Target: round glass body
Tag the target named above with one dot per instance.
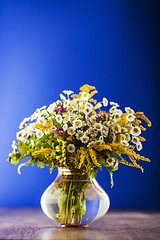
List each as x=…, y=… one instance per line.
x=74, y=199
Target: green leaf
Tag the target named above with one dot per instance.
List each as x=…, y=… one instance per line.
x=73, y=198
x=77, y=206
x=83, y=189
x=117, y=155
x=24, y=148
x=86, y=218
x=112, y=168
x=49, y=142
x=83, y=207
x=40, y=164
x=53, y=153
x=93, y=173
x=101, y=160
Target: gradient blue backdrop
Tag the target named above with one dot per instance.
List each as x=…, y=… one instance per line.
x=48, y=46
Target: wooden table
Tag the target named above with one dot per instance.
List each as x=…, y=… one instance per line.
x=30, y=223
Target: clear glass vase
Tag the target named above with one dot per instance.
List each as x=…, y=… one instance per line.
x=74, y=199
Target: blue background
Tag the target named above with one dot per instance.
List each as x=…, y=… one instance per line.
x=48, y=46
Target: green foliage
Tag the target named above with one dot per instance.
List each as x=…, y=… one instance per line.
x=24, y=148
x=40, y=164
x=93, y=172
x=71, y=198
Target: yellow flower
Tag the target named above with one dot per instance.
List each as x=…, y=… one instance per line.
x=142, y=116
x=23, y=164
x=44, y=151
x=93, y=155
x=86, y=88
x=82, y=157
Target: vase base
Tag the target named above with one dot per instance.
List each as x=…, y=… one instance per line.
x=74, y=225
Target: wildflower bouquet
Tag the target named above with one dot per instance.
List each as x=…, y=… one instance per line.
x=75, y=133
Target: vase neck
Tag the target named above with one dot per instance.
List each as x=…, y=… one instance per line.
x=66, y=171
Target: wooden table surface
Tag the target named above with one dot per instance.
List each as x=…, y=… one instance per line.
x=28, y=223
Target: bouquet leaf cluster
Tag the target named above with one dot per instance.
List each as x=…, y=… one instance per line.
x=75, y=133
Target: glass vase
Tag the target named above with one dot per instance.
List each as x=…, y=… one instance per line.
x=74, y=199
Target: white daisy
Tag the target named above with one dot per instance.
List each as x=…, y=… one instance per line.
x=139, y=146
x=113, y=110
x=52, y=129
x=91, y=144
x=110, y=161
x=71, y=131
x=65, y=126
x=124, y=130
x=72, y=119
x=93, y=132
x=62, y=97
x=87, y=110
x=66, y=119
x=104, y=133
x=105, y=128
x=135, y=140
x=129, y=110
x=58, y=103
x=20, y=135
x=77, y=123
x=84, y=96
x=71, y=148
x=98, y=105
x=87, y=104
x=34, y=116
x=117, y=117
x=43, y=112
x=125, y=143
x=98, y=142
x=51, y=107
x=114, y=138
x=116, y=128
x=105, y=102
x=92, y=119
x=66, y=103
x=118, y=111
x=114, y=104
x=75, y=101
x=135, y=131
x=42, y=108
x=39, y=133
x=98, y=126
x=14, y=145
x=89, y=124
x=101, y=139
x=79, y=134
x=130, y=117
x=84, y=139
x=107, y=123
x=59, y=118
x=24, y=122
x=41, y=120
x=67, y=92
x=123, y=137
x=30, y=133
